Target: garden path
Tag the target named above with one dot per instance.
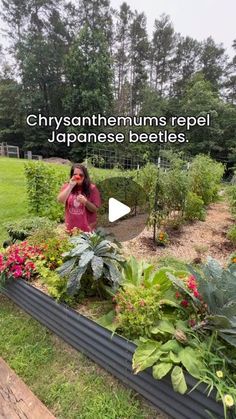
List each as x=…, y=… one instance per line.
x=192, y=242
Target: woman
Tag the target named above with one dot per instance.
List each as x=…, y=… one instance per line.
x=81, y=199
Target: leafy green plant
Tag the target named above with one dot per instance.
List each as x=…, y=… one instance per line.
x=43, y=183
x=135, y=273
x=20, y=230
x=194, y=207
x=137, y=310
x=170, y=352
x=94, y=263
x=218, y=292
x=205, y=176
x=56, y=286
x=231, y=194
x=231, y=234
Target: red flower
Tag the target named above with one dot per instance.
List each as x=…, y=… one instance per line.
x=184, y=303
x=177, y=294
x=196, y=293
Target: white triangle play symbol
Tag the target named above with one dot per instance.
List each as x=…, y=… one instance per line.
x=116, y=210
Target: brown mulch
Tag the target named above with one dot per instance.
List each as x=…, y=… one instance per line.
x=192, y=241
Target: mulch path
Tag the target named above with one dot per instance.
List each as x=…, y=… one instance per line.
x=193, y=241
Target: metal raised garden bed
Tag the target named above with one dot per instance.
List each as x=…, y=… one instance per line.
x=112, y=352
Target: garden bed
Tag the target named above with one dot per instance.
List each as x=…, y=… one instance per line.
x=112, y=352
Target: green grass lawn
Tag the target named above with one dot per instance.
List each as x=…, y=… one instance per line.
x=13, y=197
x=68, y=383
x=13, y=202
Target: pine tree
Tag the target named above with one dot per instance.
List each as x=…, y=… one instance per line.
x=162, y=49
x=139, y=52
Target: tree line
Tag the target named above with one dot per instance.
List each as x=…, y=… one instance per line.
x=86, y=58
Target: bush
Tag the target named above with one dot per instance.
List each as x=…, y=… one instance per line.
x=205, y=178
x=43, y=185
x=231, y=193
x=20, y=230
x=231, y=235
x=194, y=207
x=137, y=310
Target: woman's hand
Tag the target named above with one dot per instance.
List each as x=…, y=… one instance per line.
x=73, y=182
x=82, y=199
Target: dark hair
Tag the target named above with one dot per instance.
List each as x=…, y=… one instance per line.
x=86, y=182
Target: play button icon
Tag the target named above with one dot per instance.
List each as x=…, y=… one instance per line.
x=124, y=210
x=117, y=210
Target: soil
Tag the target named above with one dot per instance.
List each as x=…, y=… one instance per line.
x=193, y=242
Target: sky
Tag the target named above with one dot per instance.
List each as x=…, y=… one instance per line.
x=196, y=18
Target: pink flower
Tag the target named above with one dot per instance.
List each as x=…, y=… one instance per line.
x=184, y=303
x=196, y=293
x=177, y=294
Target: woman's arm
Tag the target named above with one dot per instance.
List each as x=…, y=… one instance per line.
x=63, y=195
x=89, y=205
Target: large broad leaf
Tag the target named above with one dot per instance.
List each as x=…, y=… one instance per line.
x=108, y=322
x=146, y=354
x=191, y=363
x=160, y=370
x=66, y=267
x=103, y=247
x=97, y=266
x=74, y=280
x=85, y=258
x=132, y=272
x=78, y=250
x=171, y=345
x=115, y=274
x=229, y=338
x=178, y=380
x=220, y=322
x=163, y=327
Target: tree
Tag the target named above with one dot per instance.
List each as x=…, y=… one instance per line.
x=121, y=59
x=139, y=50
x=213, y=61
x=162, y=49
x=230, y=83
x=185, y=63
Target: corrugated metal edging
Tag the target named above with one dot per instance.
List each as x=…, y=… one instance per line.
x=112, y=352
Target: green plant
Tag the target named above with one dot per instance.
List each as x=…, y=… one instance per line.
x=22, y=229
x=194, y=207
x=231, y=194
x=162, y=238
x=56, y=286
x=93, y=263
x=218, y=292
x=137, y=310
x=231, y=234
x=53, y=249
x=205, y=178
x=43, y=184
x=170, y=352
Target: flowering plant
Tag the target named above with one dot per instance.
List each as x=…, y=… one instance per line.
x=162, y=238
x=17, y=261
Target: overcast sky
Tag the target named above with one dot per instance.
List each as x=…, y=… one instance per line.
x=196, y=18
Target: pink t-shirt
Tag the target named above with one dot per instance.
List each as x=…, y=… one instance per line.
x=77, y=215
